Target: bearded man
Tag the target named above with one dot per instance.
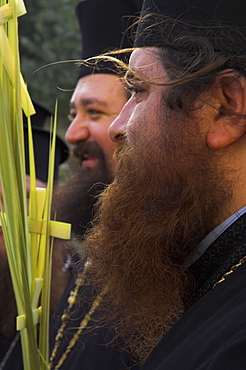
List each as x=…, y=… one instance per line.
x=169, y=242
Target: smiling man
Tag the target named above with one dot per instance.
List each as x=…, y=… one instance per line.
x=99, y=95
x=96, y=102
x=170, y=238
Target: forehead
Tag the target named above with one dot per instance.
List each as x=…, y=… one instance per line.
x=99, y=86
x=147, y=63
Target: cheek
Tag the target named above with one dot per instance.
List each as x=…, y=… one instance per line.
x=100, y=135
x=108, y=148
x=99, y=131
x=142, y=125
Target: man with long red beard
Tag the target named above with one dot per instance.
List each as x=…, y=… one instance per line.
x=169, y=242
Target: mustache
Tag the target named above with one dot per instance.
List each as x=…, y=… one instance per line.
x=84, y=150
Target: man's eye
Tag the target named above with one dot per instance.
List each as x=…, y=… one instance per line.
x=94, y=112
x=134, y=89
x=71, y=117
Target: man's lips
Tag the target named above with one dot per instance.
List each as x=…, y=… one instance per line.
x=88, y=153
x=90, y=161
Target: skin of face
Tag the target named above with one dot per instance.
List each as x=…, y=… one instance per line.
x=95, y=103
x=145, y=97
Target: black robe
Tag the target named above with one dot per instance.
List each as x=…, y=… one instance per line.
x=211, y=334
x=93, y=350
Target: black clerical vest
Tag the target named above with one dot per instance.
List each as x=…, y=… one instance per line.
x=211, y=334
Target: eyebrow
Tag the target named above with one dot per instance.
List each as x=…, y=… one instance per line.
x=88, y=101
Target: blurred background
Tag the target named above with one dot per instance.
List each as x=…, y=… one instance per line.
x=49, y=33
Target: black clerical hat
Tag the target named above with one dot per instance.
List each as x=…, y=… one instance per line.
x=102, y=26
x=195, y=17
x=42, y=113
x=41, y=142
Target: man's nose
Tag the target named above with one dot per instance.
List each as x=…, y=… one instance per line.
x=78, y=130
x=117, y=129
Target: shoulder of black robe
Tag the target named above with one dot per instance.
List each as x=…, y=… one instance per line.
x=211, y=334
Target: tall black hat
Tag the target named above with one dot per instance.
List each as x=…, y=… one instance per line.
x=41, y=143
x=102, y=26
x=196, y=17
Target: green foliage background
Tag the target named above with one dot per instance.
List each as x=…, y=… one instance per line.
x=49, y=33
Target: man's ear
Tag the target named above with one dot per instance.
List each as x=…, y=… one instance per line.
x=229, y=119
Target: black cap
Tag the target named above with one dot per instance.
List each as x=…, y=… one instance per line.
x=42, y=113
x=102, y=26
x=41, y=143
x=196, y=17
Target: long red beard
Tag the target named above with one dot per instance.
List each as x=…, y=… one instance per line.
x=150, y=220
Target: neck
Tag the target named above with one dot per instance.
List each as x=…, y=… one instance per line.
x=233, y=160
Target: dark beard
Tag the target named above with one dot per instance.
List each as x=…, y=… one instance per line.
x=74, y=199
x=73, y=202
x=150, y=219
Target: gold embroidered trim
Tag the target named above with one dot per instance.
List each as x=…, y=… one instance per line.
x=233, y=268
x=72, y=299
